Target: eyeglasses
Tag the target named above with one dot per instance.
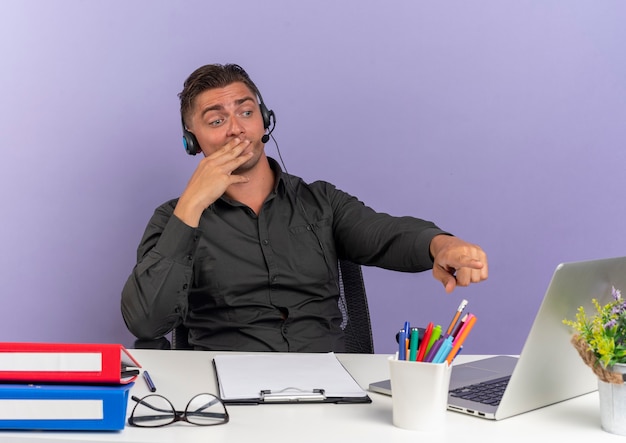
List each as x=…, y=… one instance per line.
x=153, y=411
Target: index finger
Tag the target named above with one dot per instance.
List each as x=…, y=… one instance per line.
x=465, y=261
x=232, y=149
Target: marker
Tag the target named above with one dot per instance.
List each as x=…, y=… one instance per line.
x=425, y=341
x=413, y=344
x=149, y=381
x=456, y=316
x=444, y=350
x=434, y=349
x=433, y=337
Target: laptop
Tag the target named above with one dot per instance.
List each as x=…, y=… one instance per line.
x=549, y=369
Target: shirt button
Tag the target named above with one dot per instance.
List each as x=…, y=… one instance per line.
x=185, y=286
x=266, y=242
x=274, y=279
x=189, y=257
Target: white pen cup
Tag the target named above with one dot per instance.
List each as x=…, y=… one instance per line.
x=419, y=394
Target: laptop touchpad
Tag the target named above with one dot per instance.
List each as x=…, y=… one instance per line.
x=481, y=370
x=465, y=375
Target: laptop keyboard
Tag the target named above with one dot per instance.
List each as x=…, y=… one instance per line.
x=489, y=393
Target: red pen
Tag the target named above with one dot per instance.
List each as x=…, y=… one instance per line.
x=425, y=340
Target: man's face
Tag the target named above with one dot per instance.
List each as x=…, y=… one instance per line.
x=222, y=114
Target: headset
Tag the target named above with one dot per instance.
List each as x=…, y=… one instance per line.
x=190, y=142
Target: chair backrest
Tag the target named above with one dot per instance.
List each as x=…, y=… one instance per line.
x=354, y=308
x=352, y=304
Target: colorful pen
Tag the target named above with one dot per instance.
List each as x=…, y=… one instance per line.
x=413, y=344
x=425, y=340
x=433, y=337
x=456, y=316
x=444, y=350
x=458, y=342
x=149, y=381
x=428, y=344
x=407, y=330
x=434, y=349
x=402, y=345
x=469, y=316
x=407, y=327
x=459, y=326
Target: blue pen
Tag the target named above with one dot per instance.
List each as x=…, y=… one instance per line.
x=444, y=350
x=149, y=381
x=444, y=355
x=457, y=353
x=402, y=345
x=407, y=332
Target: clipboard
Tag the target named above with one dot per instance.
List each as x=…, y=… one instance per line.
x=279, y=378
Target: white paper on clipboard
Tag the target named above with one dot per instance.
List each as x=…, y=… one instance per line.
x=247, y=376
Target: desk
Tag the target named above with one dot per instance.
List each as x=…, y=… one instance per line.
x=179, y=375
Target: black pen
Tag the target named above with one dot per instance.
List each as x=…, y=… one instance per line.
x=149, y=381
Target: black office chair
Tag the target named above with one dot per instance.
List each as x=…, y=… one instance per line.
x=354, y=308
x=352, y=304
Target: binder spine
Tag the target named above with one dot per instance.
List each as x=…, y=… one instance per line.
x=63, y=407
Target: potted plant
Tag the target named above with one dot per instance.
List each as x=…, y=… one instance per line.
x=600, y=340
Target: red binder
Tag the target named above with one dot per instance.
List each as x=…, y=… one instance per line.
x=67, y=363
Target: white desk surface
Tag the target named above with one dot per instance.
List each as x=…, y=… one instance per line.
x=179, y=375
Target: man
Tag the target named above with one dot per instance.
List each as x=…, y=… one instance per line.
x=247, y=256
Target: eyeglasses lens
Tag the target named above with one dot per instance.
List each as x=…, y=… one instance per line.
x=206, y=410
x=153, y=410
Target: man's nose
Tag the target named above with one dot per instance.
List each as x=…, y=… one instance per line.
x=235, y=127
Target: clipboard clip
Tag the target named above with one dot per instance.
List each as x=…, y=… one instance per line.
x=292, y=394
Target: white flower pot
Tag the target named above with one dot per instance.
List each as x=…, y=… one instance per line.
x=613, y=404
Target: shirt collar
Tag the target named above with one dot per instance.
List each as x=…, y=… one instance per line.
x=279, y=183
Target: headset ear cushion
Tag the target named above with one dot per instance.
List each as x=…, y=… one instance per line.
x=266, y=115
x=190, y=143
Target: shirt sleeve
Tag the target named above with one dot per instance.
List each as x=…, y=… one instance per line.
x=372, y=238
x=154, y=298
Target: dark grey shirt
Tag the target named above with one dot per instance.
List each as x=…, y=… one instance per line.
x=264, y=283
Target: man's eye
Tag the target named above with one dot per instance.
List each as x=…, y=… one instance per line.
x=246, y=113
x=216, y=122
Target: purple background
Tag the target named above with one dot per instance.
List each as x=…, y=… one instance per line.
x=504, y=122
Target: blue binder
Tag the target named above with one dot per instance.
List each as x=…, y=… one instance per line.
x=63, y=407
